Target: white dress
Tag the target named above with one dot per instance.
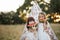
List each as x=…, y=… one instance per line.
x=29, y=35
x=42, y=35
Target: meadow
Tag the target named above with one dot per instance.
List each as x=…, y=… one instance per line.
x=14, y=32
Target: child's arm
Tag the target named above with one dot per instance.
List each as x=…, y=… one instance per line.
x=36, y=24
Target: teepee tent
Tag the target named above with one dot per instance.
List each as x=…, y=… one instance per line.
x=35, y=10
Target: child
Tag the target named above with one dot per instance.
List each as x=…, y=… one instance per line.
x=44, y=30
x=31, y=34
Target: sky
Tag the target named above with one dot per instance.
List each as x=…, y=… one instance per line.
x=48, y=1
x=10, y=5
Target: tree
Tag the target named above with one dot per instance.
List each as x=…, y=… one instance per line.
x=26, y=4
x=55, y=6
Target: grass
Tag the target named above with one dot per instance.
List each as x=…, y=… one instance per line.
x=56, y=28
x=13, y=32
x=10, y=32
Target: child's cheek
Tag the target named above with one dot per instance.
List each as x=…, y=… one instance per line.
x=42, y=19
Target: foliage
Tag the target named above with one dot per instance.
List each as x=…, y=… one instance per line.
x=10, y=18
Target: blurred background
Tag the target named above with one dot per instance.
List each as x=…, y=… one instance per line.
x=13, y=15
x=17, y=14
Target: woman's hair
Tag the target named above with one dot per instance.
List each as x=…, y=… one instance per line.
x=28, y=20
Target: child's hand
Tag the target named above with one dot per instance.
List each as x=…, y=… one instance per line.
x=35, y=24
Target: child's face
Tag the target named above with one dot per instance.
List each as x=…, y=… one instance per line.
x=31, y=22
x=41, y=17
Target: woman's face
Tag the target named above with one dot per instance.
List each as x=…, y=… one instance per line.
x=41, y=17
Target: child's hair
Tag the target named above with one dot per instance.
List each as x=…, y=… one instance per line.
x=28, y=20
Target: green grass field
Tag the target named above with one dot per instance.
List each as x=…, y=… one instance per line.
x=14, y=32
